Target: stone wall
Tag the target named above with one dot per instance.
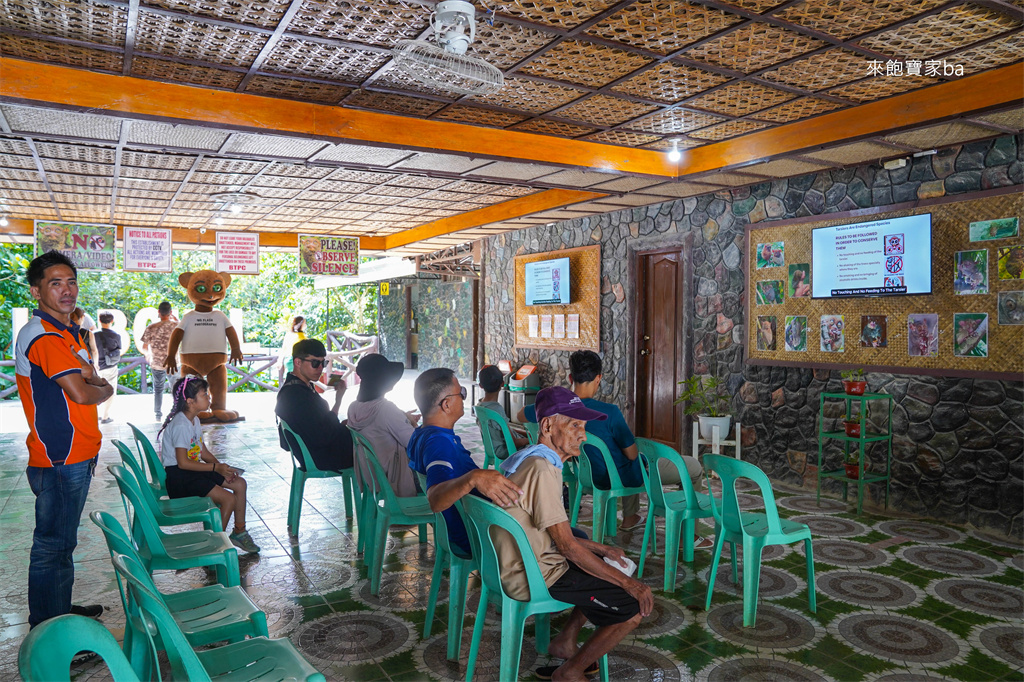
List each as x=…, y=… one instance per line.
x=445, y=318
x=391, y=322
x=958, y=444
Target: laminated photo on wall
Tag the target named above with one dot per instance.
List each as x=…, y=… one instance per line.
x=766, y=332
x=923, y=335
x=970, y=335
x=833, y=339
x=800, y=280
x=770, y=292
x=771, y=255
x=1002, y=228
x=1010, y=262
x=796, y=333
x=1011, y=307
x=874, y=331
x=971, y=272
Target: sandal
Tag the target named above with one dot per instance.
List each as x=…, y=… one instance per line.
x=640, y=522
x=702, y=542
x=545, y=672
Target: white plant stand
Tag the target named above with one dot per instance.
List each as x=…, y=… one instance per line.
x=716, y=442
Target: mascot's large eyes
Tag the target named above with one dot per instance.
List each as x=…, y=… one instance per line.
x=217, y=288
x=201, y=288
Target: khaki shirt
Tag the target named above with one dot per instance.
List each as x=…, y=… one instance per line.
x=539, y=508
x=158, y=336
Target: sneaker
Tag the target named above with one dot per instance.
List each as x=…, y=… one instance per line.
x=83, y=658
x=90, y=611
x=244, y=542
x=106, y=421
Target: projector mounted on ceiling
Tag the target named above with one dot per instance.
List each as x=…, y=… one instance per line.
x=443, y=63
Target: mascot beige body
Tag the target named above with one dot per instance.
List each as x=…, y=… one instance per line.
x=201, y=335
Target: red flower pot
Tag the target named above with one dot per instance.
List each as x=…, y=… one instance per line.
x=852, y=429
x=852, y=470
x=855, y=387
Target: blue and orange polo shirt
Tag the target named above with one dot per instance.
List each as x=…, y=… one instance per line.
x=60, y=430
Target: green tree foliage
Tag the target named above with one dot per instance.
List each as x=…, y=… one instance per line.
x=14, y=260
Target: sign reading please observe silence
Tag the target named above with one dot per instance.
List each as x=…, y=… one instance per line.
x=325, y=255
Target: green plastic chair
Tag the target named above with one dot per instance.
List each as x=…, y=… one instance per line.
x=388, y=510
x=447, y=555
x=159, y=550
x=680, y=508
x=254, y=659
x=199, y=510
x=604, y=500
x=584, y=484
x=482, y=516
x=753, y=530
x=533, y=429
x=303, y=468
x=47, y=652
x=205, y=615
x=157, y=473
x=484, y=419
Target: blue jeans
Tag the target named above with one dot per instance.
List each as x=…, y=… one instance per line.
x=60, y=498
x=159, y=379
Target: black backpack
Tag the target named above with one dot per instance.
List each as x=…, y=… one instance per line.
x=111, y=354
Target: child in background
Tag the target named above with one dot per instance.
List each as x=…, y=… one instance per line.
x=491, y=380
x=192, y=470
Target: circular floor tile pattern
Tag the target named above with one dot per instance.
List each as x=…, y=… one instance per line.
x=922, y=532
x=757, y=668
x=641, y=662
x=897, y=638
x=871, y=590
x=847, y=554
x=1017, y=561
x=668, y=615
x=1005, y=642
x=473, y=603
x=354, y=636
x=900, y=677
x=335, y=544
x=809, y=505
x=774, y=582
x=407, y=591
x=832, y=526
x=419, y=556
x=993, y=539
x=283, y=615
x=431, y=656
x=298, y=579
x=749, y=502
x=949, y=560
x=980, y=596
x=654, y=571
x=775, y=627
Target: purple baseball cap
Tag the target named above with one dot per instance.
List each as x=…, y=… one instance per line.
x=560, y=400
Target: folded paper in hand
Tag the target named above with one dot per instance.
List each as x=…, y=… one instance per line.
x=628, y=566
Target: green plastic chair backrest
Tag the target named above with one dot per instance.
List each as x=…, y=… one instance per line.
x=482, y=516
x=47, y=652
x=118, y=542
x=133, y=465
x=129, y=487
x=185, y=665
x=730, y=470
x=615, y=482
x=380, y=485
x=584, y=473
x=148, y=452
x=486, y=417
x=655, y=452
x=533, y=428
x=302, y=459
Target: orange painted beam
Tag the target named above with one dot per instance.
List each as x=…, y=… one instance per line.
x=506, y=210
x=998, y=87
x=20, y=227
x=48, y=84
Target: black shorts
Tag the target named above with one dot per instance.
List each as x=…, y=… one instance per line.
x=184, y=483
x=600, y=601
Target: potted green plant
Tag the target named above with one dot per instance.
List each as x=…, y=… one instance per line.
x=706, y=398
x=854, y=382
x=852, y=464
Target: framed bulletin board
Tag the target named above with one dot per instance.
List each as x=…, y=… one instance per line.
x=971, y=324
x=562, y=327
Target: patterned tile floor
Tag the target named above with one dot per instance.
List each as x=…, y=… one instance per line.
x=897, y=599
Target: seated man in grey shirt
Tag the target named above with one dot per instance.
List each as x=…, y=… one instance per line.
x=491, y=380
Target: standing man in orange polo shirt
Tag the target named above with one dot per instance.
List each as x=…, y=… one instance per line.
x=59, y=391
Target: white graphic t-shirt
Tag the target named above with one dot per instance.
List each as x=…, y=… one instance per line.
x=205, y=332
x=181, y=433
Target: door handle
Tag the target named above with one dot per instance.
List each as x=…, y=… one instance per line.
x=646, y=338
x=644, y=351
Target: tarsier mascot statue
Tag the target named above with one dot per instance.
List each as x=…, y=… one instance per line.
x=201, y=334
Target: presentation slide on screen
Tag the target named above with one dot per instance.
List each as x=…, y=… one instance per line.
x=873, y=259
x=547, y=282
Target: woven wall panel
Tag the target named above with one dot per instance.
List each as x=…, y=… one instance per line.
x=848, y=18
x=480, y=116
x=669, y=82
x=49, y=51
x=729, y=179
x=674, y=142
x=79, y=167
x=281, y=182
x=784, y=168
x=393, y=191
x=160, y=69
x=19, y=147
x=273, y=145
x=949, y=235
x=856, y=153
x=663, y=27
x=25, y=195
x=263, y=13
x=759, y=6
x=434, y=183
x=577, y=178
x=877, y=87
x=674, y=189
x=368, y=177
x=150, y=174
x=823, y=70
x=33, y=120
x=1005, y=50
x=295, y=89
x=294, y=56
x=623, y=137
x=532, y=96
x=513, y=191
x=584, y=292
x=603, y=110
x=724, y=131
x=215, y=165
x=674, y=121
x=382, y=22
x=565, y=14
x=744, y=48
x=146, y=160
x=504, y=45
x=943, y=135
x=85, y=20
x=798, y=109
x=559, y=128
x=181, y=136
x=25, y=162
x=938, y=33
x=399, y=80
x=176, y=37
x=391, y=103
x=1011, y=119
x=740, y=99
x=75, y=152
x=583, y=63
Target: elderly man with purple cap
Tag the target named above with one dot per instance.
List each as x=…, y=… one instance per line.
x=576, y=571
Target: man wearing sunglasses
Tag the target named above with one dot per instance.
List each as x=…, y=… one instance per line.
x=302, y=408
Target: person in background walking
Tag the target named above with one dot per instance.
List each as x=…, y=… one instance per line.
x=154, y=345
x=296, y=332
x=108, y=343
x=78, y=319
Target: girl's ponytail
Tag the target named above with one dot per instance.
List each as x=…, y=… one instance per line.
x=185, y=388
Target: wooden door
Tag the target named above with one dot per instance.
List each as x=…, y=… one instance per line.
x=660, y=345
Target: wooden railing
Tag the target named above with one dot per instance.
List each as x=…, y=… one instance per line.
x=350, y=349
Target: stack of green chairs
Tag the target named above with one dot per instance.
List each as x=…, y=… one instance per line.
x=247, y=661
x=605, y=509
x=159, y=550
x=304, y=468
x=482, y=515
x=181, y=505
x=484, y=418
x=680, y=508
x=148, y=453
x=47, y=652
x=753, y=530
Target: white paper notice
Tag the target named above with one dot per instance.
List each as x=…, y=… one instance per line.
x=545, y=326
x=572, y=327
x=147, y=250
x=559, y=326
x=237, y=253
x=533, y=326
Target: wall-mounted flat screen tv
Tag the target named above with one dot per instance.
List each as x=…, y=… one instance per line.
x=547, y=282
x=880, y=258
